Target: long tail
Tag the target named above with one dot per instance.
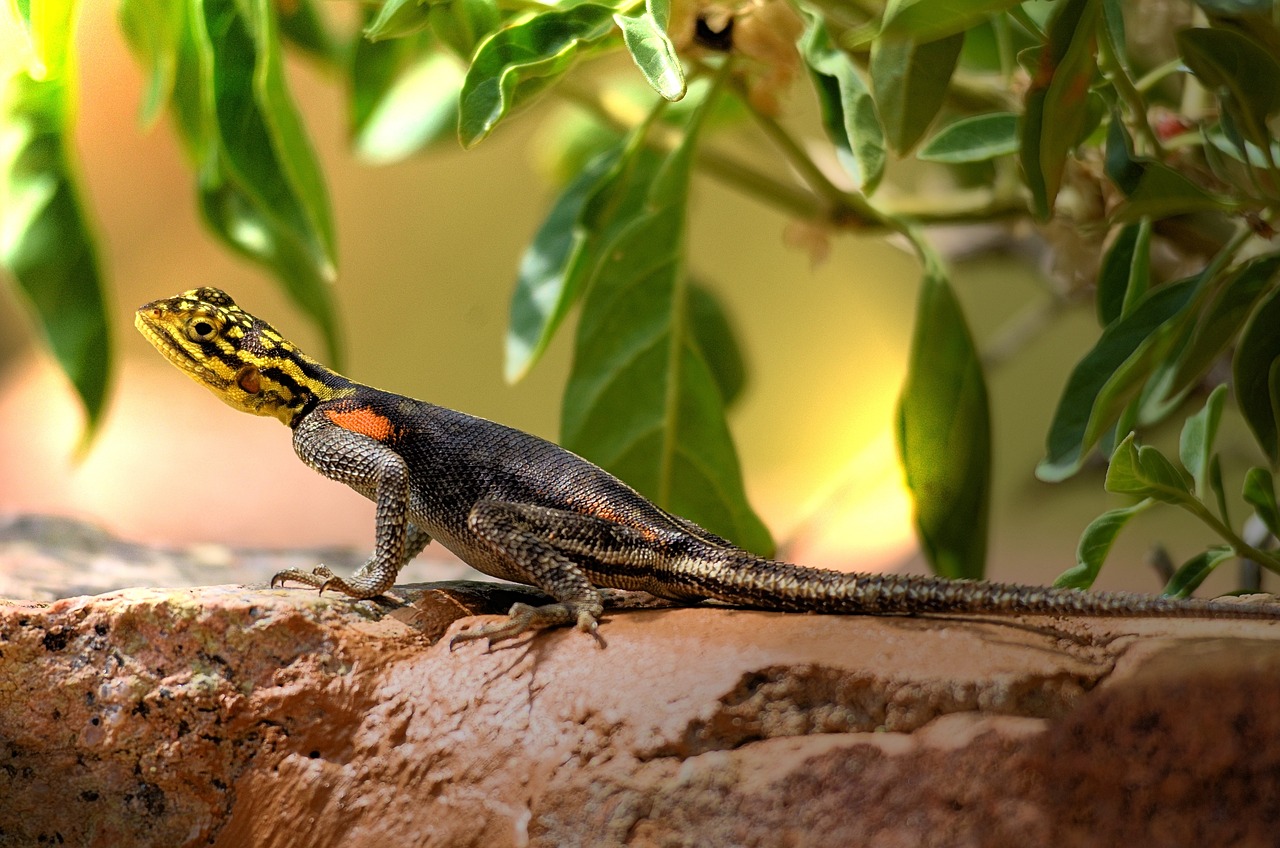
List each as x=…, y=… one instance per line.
x=766, y=584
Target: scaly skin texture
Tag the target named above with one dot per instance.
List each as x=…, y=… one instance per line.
x=520, y=508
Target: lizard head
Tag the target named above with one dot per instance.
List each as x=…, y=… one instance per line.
x=240, y=358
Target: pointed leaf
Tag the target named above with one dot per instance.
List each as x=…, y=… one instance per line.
x=404, y=96
x=45, y=239
x=1218, y=325
x=1126, y=272
x=1243, y=74
x=1144, y=472
x=641, y=400
x=974, y=139
x=1095, y=544
x=909, y=80
x=944, y=435
x=717, y=341
x=1194, y=571
x=1260, y=493
x=1076, y=426
x=1195, y=445
x=261, y=190
x=848, y=111
x=1055, y=117
x=925, y=20
x=397, y=19
x=153, y=29
x=653, y=53
x=1257, y=375
x=519, y=61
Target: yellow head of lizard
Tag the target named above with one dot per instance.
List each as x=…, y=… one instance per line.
x=240, y=358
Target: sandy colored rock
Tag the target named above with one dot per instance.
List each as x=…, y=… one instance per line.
x=232, y=716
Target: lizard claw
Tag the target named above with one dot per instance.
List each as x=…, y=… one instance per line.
x=523, y=618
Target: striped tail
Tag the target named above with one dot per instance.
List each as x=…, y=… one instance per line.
x=744, y=579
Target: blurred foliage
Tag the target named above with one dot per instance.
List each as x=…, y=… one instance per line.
x=1139, y=139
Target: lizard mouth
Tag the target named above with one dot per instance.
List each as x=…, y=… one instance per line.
x=147, y=322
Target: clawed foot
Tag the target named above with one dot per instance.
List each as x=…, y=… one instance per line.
x=319, y=577
x=523, y=618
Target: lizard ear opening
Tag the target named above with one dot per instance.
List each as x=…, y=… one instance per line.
x=249, y=378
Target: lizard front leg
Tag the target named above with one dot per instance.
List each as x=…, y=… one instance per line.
x=373, y=469
x=547, y=548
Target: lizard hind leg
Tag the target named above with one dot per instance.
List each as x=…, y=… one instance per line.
x=545, y=547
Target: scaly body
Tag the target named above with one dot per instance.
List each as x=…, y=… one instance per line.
x=521, y=508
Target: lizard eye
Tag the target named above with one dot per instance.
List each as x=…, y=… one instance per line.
x=202, y=329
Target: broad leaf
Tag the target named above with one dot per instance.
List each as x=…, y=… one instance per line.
x=397, y=19
x=153, y=29
x=1095, y=544
x=944, y=435
x=1145, y=472
x=1257, y=375
x=910, y=80
x=1260, y=493
x=925, y=20
x=974, y=139
x=1055, y=118
x=1195, y=445
x=641, y=400
x=1126, y=272
x=1194, y=571
x=45, y=239
x=848, y=111
x=1218, y=324
x=1243, y=74
x=646, y=38
x=1122, y=357
x=716, y=339
x=260, y=187
x=404, y=96
x=519, y=61
x=464, y=24
x=555, y=269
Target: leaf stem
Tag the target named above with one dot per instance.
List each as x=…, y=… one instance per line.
x=1242, y=548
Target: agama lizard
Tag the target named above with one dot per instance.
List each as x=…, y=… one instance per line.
x=521, y=508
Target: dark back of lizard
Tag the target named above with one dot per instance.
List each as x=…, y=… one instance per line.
x=521, y=508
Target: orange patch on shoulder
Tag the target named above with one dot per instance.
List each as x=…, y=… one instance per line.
x=363, y=420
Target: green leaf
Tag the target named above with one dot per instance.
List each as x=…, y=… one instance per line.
x=260, y=186
x=646, y=38
x=848, y=111
x=1095, y=544
x=153, y=29
x=925, y=20
x=1257, y=375
x=302, y=24
x=1260, y=493
x=944, y=435
x=45, y=238
x=1195, y=445
x=1122, y=357
x=716, y=339
x=519, y=61
x=909, y=80
x=1218, y=324
x=974, y=139
x=641, y=400
x=1126, y=272
x=463, y=24
x=546, y=286
x=1245, y=76
x=1054, y=117
x=404, y=96
x=1219, y=492
x=1193, y=572
x=397, y=19
x=1144, y=472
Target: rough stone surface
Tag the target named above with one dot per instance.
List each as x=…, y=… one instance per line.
x=235, y=716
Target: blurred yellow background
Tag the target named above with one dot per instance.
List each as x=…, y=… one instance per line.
x=428, y=251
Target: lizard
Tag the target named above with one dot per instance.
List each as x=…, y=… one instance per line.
x=520, y=508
